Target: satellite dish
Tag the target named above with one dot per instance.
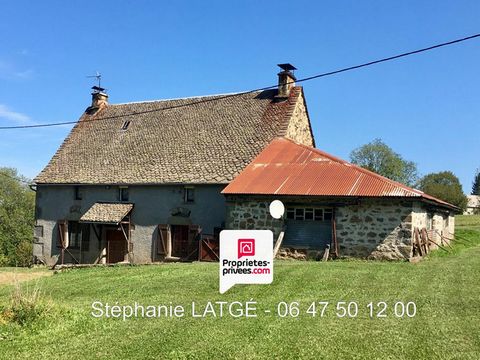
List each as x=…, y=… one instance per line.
x=277, y=209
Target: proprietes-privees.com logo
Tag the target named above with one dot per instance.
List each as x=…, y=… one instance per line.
x=246, y=257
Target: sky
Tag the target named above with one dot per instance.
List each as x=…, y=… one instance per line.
x=426, y=107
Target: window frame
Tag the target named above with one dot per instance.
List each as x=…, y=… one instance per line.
x=77, y=193
x=309, y=213
x=188, y=190
x=122, y=190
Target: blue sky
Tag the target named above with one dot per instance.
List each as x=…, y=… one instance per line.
x=426, y=107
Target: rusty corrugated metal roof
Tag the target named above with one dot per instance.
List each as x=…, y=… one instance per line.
x=287, y=168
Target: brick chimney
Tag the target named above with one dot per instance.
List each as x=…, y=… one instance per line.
x=99, y=97
x=286, y=80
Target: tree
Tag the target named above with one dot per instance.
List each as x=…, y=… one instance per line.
x=17, y=204
x=445, y=186
x=378, y=157
x=476, y=184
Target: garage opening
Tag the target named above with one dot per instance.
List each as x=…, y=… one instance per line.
x=308, y=227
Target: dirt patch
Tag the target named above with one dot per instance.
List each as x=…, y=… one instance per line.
x=9, y=277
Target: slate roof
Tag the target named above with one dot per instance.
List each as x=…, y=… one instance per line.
x=199, y=143
x=287, y=168
x=106, y=213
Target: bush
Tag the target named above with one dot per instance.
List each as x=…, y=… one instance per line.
x=25, y=305
x=17, y=205
x=23, y=254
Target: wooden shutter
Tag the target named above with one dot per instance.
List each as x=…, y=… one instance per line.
x=163, y=230
x=62, y=238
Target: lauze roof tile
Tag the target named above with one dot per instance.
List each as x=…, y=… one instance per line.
x=191, y=142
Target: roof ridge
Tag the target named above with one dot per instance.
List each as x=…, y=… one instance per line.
x=187, y=98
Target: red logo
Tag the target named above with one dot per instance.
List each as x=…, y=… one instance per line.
x=246, y=247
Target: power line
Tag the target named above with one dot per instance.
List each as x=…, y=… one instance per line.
x=216, y=98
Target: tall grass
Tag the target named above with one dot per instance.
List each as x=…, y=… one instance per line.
x=26, y=304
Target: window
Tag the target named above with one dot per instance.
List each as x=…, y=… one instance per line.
x=319, y=214
x=299, y=213
x=188, y=194
x=309, y=214
x=77, y=193
x=78, y=235
x=290, y=213
x=123, y=193
x=327, y=214
x=429, y=221
x=125, y=125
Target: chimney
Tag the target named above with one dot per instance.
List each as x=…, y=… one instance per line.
x=99, y=97
x=286, y=80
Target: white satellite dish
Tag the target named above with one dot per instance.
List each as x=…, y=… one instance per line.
x=277, y=209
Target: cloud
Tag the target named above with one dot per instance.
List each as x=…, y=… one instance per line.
x=8, y=71
x=26, y=74
x=8, y=114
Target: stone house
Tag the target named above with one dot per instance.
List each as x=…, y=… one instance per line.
x=147, y=181
x=140, y=182
x=330, y=202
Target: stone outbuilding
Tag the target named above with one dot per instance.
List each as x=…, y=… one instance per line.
x=332, y=203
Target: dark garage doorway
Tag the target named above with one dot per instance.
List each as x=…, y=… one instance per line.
x=308, y=228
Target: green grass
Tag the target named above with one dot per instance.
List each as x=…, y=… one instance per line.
x=444, y=287
x=467, y=221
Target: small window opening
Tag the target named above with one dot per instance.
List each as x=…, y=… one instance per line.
x=77, y=193
x=429, y=221
x=188, y=194
x=290, y=213
x=125, y=125
x=327, y=214
x=123, y=194
x=309, y=214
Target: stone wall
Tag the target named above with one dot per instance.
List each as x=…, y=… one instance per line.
x=443, y=222
x=251, y=214
x=377, y=229
x=369, y=228
x=299, y=129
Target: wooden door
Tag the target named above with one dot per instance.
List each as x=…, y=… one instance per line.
x=179, y=240
x=116, y=246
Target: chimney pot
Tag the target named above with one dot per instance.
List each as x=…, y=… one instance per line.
x=99, y=97
x=286, y=80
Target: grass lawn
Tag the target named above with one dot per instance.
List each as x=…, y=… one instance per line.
x=445, y=289
x=467, y=221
